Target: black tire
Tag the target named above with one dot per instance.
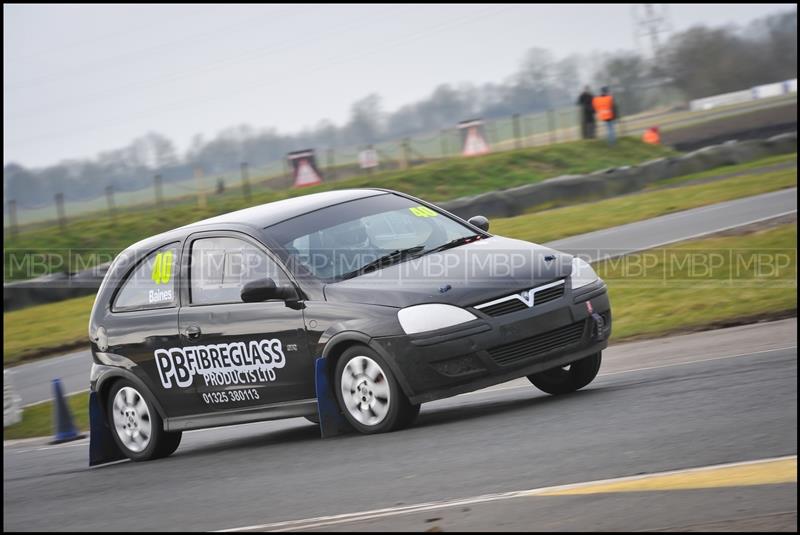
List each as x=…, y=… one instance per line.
x=563, y=381
x=159, y=443
x=397, y=412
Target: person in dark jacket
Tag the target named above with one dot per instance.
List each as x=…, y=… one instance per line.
x=586, y=113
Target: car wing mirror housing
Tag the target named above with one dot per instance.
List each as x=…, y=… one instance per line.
x=266, y=289
x=480, y=222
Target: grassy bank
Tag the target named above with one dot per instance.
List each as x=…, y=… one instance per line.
x=42, y=329
x=97, y=234
x=688, y=286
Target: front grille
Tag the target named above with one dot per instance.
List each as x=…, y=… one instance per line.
x=550, y=294
x=515, y=302
x=540, y=344
x=506, y=307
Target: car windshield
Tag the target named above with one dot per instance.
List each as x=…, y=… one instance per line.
x=355, y=237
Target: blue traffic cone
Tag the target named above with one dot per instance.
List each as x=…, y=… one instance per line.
x=65, y=430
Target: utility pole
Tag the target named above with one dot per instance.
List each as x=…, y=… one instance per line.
x=245, y=182
x=650, y=21
x=158, y=190
x=551, y=125
x=62, y=216
x=12, y=217
x=331, y=172
x=286, y=174
x=112, y=212
x=406, y=161
x=201, y=187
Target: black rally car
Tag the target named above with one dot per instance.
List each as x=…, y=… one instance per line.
x=356, y=305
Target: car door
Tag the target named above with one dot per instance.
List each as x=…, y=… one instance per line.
x=142, y=326
x=241, y=354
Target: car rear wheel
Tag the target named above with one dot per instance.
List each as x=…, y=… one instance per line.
x=569, y=378
x=136, y=426
x=368, y=393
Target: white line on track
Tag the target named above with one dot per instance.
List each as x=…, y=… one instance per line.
x=681, y=239
x=322, y=521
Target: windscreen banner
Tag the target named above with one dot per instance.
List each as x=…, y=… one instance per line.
x=473, y=138
x=304, y=168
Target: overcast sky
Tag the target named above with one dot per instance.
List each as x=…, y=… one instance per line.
x=80, y=79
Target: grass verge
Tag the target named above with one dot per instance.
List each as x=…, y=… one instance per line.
x=37, y=420
x=703, y=283
x=771, y=161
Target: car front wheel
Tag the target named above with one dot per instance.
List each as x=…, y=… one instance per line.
x=368, y=393
x=136, y=426
x=568, y=378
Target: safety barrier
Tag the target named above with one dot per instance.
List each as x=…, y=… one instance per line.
x=754, y=93
x=617, y=180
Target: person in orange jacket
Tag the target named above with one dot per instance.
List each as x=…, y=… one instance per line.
x=605, y=109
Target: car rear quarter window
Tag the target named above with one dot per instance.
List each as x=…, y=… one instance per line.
x=151, y=284
x=221, y=266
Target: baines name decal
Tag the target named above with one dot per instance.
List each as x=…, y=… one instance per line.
x=220, y=364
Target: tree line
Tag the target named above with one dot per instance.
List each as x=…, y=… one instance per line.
x=698, y=62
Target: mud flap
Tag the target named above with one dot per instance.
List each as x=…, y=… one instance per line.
x=331, y=421
x=102, y=448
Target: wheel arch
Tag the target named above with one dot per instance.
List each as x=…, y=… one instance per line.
x=113, y=376
x=340, y=342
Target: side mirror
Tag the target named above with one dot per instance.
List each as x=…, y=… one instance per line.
x=480, y=222
x=265, y=289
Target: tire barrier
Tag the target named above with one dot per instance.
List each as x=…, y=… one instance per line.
x=52, y=288
x=617, y=180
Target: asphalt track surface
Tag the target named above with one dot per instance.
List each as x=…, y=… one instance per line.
x=698, y=400
x=33, y=381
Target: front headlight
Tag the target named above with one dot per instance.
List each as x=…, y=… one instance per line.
x=421, y=318
x=582, y=273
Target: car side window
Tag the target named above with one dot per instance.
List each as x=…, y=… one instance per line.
x=151, y=284
x=220, y=267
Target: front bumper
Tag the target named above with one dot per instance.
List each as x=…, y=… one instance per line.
x=493, y=350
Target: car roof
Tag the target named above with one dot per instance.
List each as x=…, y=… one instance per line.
x=263, y=215
x=266, y=215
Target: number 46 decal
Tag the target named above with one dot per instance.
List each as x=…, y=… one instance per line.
x=162, y=268
x=423, y=211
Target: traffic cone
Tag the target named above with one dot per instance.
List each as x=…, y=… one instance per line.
x=65, y=430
